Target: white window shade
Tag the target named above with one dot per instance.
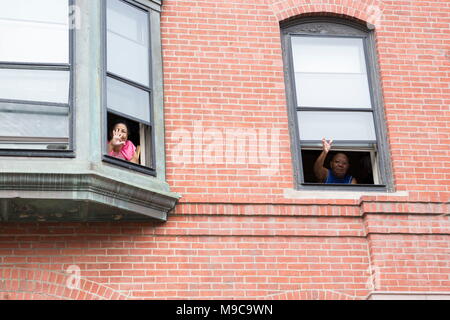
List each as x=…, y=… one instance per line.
x=34, y=85
x=128, y=42
x=34, y=31
x=350, y=126
x=128, y=100
x=332, y=90
x=328, y=54
x=330, y=72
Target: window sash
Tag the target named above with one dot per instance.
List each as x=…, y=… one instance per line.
x=336, y=125
x=34, y=85
x=318, y=54
x=147, y=120
x=328, y=70
x=332, y=90
x=29, y=31
x=318, y=101
x=142, y=96
x=134, y=63
x=141, y=116
x=35, y=145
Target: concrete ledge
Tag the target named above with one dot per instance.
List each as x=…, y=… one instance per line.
x=31, y=197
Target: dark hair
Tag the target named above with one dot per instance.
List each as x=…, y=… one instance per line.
x=125, y=123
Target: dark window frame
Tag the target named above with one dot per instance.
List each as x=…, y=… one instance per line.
x=150, y=125
x=336, y=27
x=70, y=151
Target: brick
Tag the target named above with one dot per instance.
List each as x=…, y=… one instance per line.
x=234, y=234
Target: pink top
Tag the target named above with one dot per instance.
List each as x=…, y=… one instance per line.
x=126, y=153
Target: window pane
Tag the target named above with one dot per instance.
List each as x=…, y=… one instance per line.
x=336, y=125
x=328, y=54
x=128, y=41
x=128, y=100
x=35, y=85
x=18, y=120
x=34, y=31
x=342, y=90
x=330, y=72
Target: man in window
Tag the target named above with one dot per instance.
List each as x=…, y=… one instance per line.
x=339, y=166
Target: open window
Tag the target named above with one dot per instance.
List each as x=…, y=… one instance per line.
x=363, y=165
x=128, y=81
x=138, y=134
x=35, y=77
x=333, y=93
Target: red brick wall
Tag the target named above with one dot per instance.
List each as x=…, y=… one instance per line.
x=411, y=262
x=224, y=70
x=137, y=263
x=235, y=234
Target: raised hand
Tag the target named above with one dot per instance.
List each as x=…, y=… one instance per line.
x=117, y=138
x=326, y=145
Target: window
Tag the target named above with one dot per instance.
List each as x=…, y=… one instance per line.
x=68, y=70
x=35, y=77
x=333, y=93
x=128, y=82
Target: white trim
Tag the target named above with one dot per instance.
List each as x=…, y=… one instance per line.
x=143, y=144
x=301, y=194
x=375, y=168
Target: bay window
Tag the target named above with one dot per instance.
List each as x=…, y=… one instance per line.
x=69, y=70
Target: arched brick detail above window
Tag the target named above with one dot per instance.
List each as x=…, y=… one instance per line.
x=36, y=284
x=365, y=10
x=311, y=295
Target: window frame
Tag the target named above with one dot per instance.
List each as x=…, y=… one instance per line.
x=321, y=26
x=70, y=151
x=150, y=125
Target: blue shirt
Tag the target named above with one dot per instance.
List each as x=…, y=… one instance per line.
x=331, y=178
